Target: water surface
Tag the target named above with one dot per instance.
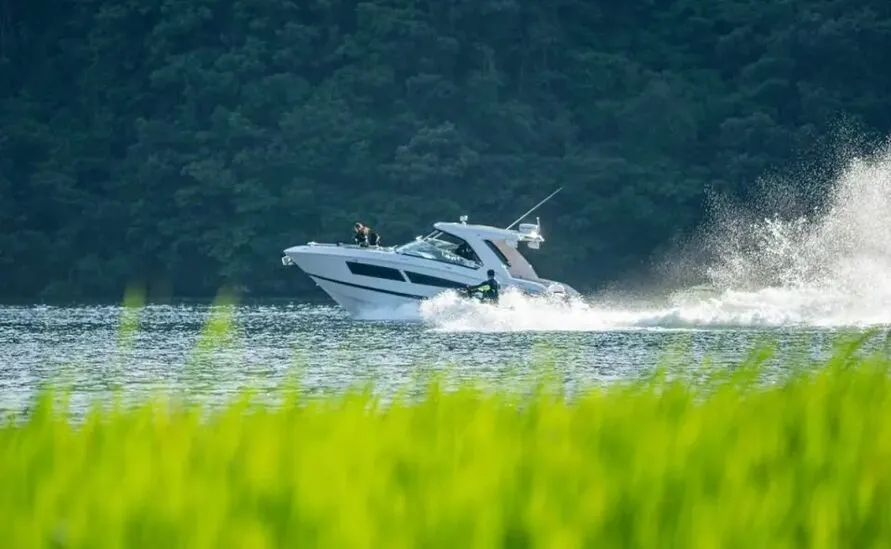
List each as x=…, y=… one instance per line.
x=86, y=347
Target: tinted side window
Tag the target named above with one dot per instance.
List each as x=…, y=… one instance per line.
x=374, y=271
x=497, y=252
x=428, y=280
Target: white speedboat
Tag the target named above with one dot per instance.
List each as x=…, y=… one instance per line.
x=453, y=256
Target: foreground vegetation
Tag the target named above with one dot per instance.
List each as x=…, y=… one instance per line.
x=801, y=462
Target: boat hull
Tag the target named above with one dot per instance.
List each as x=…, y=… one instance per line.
x=360, y=300
x=364, y=280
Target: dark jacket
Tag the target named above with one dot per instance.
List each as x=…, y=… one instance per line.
x=371, y=238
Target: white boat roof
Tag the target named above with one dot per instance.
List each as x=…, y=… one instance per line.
x=479, y=231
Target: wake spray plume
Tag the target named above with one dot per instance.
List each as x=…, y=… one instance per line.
x=774, y=264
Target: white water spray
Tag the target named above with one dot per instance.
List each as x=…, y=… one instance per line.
x=831, y=268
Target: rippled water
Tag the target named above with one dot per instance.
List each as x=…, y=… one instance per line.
x=83, y=346
x=771, y=273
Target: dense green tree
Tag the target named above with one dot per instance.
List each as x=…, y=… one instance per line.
x=184, y=143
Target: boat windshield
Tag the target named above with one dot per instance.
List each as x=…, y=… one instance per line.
x=443, y=247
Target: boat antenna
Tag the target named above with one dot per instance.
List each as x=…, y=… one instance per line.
x=534, y=208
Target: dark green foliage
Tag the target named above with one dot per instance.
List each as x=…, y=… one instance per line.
x=184, y=144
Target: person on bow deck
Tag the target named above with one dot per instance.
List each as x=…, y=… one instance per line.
x=489, y=288
x=365, y=236
x=372, y=237
x=360, y=237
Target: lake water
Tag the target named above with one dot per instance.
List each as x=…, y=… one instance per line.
x=795, y=281
x=85, y=346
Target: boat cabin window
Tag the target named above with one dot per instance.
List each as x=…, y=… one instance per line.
x=441, y=246
x=497, y=251
x=516, y=264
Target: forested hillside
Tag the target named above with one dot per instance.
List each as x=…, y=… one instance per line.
x=185, y=143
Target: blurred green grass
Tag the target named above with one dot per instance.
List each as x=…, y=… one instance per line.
x=728, y=461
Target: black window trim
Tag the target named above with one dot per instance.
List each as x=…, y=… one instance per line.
x=428, y=280
x=375, y=271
